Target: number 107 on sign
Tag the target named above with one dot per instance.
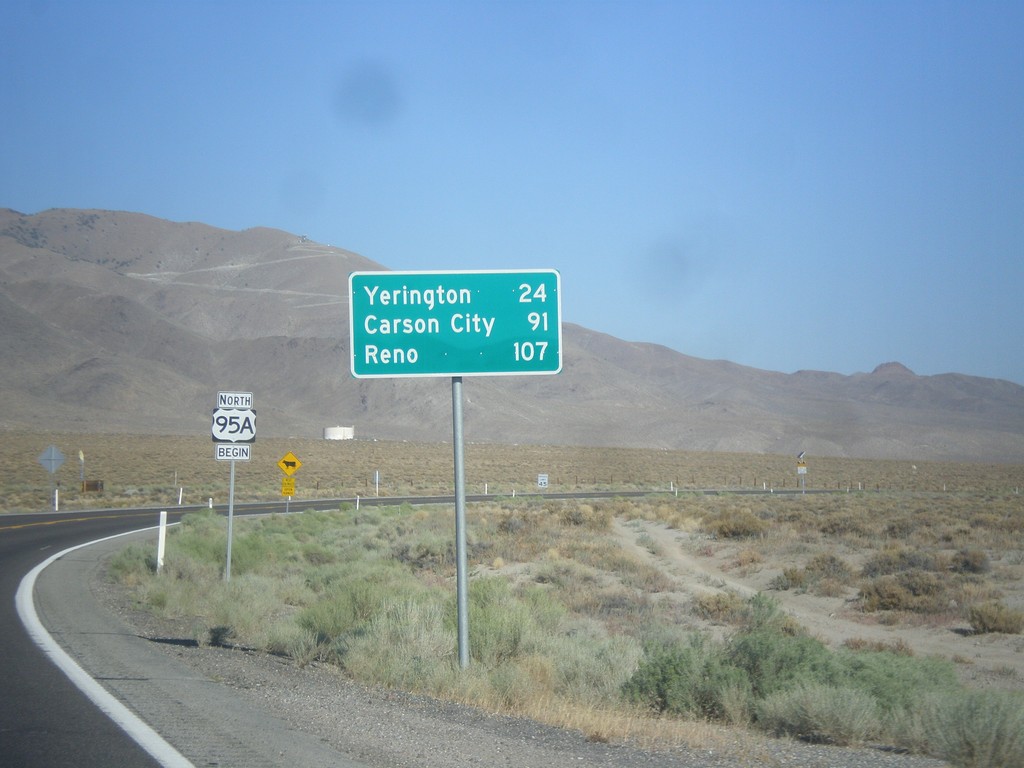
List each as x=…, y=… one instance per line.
x=455, y=323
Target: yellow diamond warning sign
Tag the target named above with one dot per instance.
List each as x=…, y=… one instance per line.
x=289, y=463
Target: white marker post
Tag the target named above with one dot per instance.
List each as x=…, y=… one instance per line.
x=161, y=542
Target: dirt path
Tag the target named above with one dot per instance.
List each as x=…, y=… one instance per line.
x=698, y=566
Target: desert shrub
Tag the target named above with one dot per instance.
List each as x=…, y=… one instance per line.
x=748, y=557
x=251, y=553
x=503, y=627
x=843, y=524
x=573, y=513
x=405, y=645
x=734, y=524
x=315, y=553
x=826, y=573
x=765, y=612
x=900, y=529
x=133, y=565
x=242, y=608
x=828, y=566
x=996, y=617
x=898, y=646
x=975, y=729
x=896, y=681
x=201, y=536
x=790, y=578
x=820, y=714
x=341, y=612
x=914, y=591
x=725, y=607
x=774, y=661
x=429, y=550
x=547, y=612
x=565, y=574
x=588, y=664
x=690, y=678
x=896, y=560
x=970, y=561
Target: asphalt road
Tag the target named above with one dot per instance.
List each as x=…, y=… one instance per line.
x=182, y=721
x=44, y=719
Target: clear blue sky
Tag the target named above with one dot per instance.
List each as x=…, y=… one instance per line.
x=787, y=185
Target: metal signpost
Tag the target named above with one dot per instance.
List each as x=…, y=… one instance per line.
x=482, y=323
x=52, y=459
x=289, y=464
x=234, y=432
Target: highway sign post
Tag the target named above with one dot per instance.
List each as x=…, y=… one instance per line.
x=234, y=431
x=52, y=459
x=289, y=464
x=482, y=323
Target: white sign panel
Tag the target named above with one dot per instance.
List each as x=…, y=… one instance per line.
x=234, y=425
x=234, y=400
x=233, y=451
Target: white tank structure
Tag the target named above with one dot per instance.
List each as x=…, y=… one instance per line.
x=339, y=433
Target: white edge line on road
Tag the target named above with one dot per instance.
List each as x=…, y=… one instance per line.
x=128, y=721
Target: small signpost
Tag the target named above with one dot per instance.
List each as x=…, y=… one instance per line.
x=801, y=471
x=483, y=323
x=234, y=431
x=52, y=459
x=289, y=464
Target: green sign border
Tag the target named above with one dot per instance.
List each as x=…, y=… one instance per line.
x=438, y=323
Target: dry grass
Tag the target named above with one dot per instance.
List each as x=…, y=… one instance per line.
x=150, y=470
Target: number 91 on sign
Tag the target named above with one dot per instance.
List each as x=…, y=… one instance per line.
x=234, y=425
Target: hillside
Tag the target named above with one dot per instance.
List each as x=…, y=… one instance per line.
x=121, y=322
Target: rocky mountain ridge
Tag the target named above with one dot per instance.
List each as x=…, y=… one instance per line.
x=122, y=322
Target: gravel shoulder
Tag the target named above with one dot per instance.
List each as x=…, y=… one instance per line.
x=234, y=707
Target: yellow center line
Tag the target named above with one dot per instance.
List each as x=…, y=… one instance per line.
x=34, y=524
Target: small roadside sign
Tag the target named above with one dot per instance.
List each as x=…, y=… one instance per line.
x=542, y=481
x=289, y=463
x=51, y=459
x=287, y=486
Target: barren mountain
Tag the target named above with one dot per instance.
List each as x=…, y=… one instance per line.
x=121, y=322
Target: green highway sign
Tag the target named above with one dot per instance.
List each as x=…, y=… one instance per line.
x=483, y=323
